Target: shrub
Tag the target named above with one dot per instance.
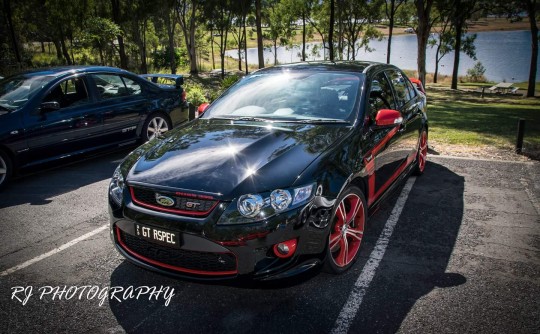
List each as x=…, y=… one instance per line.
x=229, y=81
x=195, y=94
x=476, y=74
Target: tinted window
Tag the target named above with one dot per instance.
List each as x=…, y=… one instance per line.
x=16, y=91
x=68, y=93
x=380, y=95
x=401, y=88
x=110, y=86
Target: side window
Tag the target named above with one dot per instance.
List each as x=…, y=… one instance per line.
x=401, y=87
x=110, y=86
x=380, y=95
x=132, y=86
x=68, y=93
x=412, y=91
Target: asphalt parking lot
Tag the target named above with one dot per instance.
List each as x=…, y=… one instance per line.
x=463, y=256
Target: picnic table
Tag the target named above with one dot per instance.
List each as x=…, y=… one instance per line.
x=503, y=88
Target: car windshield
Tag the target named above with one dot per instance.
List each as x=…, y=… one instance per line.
x=17, y=90
x=290, y=96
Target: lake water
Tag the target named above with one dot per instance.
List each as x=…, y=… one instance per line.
x=504, y=54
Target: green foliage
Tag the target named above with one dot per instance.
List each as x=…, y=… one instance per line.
x=195, y=94
x=476, y=73
x=228, y=81
x=160, y=58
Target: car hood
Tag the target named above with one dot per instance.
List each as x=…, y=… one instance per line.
x=228, y=158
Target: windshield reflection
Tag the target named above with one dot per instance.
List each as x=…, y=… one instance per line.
x=290, y=96
x=16, y=91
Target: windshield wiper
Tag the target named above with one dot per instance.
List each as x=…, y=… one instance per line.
x=322, y=121
x=246, y=118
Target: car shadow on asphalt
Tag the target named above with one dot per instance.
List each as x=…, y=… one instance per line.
x=414, y=265
x=37, y=185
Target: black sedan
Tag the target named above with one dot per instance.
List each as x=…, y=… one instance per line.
x=278, y=176
x=53, y=114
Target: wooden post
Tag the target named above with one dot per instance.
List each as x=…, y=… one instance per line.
x=520, y=134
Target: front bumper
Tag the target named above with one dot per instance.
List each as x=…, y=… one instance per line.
x=211, y=251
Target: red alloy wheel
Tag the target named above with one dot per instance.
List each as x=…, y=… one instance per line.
x=422, y=152
x=346, y=235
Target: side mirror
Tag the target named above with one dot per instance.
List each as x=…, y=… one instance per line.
x=388, y=117
x=50, y=106
x=202, y=108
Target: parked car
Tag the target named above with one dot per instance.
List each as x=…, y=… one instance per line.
x=278, y=175
x=409, y=30
x=418, y=85
x=60, y=112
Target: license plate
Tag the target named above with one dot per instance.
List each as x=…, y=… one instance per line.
x=158, y=235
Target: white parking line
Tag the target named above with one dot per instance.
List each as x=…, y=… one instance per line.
x=348, y=312
x=54, y=251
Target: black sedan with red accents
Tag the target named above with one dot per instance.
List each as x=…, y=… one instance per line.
x=279, y=175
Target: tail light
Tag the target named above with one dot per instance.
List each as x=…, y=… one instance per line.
x=183, y=95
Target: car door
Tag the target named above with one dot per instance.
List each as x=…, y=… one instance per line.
x=383, y=156
x=408, y=103
x=122, y=104
x=65, y=122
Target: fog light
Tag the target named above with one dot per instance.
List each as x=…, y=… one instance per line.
x=285, y=249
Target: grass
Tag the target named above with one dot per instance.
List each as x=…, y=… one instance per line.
x=464, y=118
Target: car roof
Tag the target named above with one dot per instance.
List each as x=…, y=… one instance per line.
x=356, y=66
x=63, y=70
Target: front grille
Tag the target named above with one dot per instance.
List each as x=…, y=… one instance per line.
x=191, y=261
x=182, y=204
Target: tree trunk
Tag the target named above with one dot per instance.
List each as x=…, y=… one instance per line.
x=121, y=48
x=169, y=21
x=7, y=8
x=245, y=46
x=42, y=47
x=390, y=31
x=303, y=36
x=423, y=8
x=258, y=23
x=437, y=60
x=531, y=9
x=64, y=48
x=58, y=49
x=142, y=46
x=331, y=30
x=459, y=21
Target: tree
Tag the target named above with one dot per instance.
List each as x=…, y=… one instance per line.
x=423, y=10
x=280, y=25
x=513, y=10
x=462, y=10
x=356, y=17
x=117, y=18
x=331, y=30
x=444, y=41
x=99, y=33
x=258, y=23
x=219, y=15
x=390, y=9
x=186, y=12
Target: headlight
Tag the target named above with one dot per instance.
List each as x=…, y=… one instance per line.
x=258, y=206
x=116, y=187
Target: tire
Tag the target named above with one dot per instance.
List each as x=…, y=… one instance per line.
x=155, y=125
x=6, y=169
x=346, y=231
x=421, y=154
